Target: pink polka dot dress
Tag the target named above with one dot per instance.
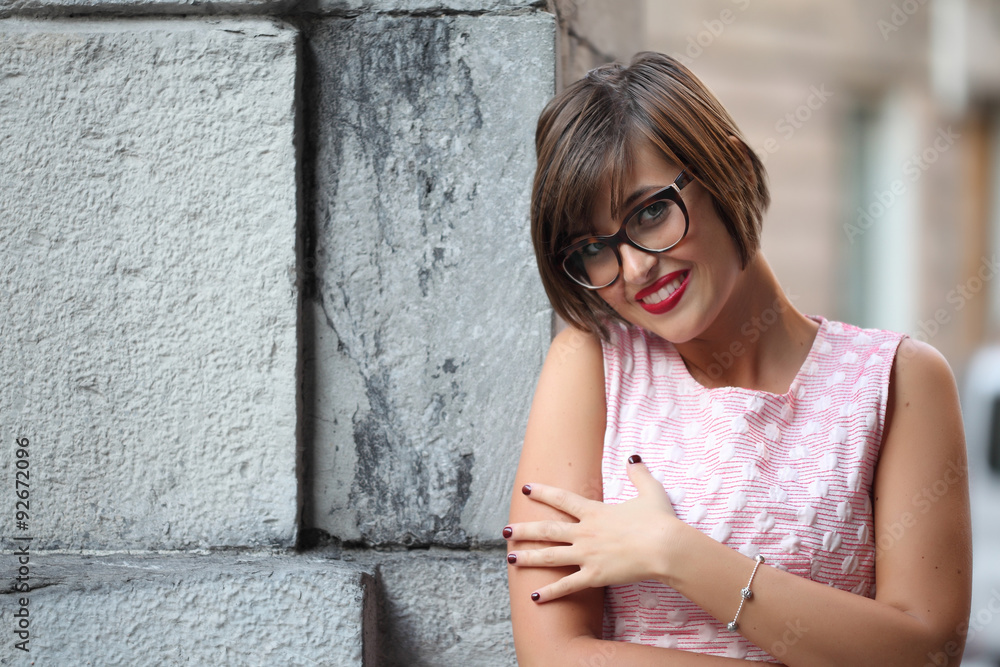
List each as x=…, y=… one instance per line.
x=787, y=475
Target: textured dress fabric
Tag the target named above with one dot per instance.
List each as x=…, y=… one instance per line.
x=788, y=476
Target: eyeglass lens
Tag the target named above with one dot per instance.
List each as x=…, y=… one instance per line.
x=655, y=227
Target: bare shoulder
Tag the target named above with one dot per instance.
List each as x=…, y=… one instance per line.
x=920, y=367
x=574, y=356
x=923, y=413
x=922, y=400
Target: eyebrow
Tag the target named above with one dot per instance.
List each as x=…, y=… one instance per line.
x=638, y=194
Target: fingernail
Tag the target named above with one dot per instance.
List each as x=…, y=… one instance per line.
x=535, y=596
x=526, y=489
x=635, y=458
x=507, y=532
x=511, y=558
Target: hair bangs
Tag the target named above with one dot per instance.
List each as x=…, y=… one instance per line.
x=596, y=156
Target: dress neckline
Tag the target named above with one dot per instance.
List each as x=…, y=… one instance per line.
x=793, y=388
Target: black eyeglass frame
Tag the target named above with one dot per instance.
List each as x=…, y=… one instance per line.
x=671, y=192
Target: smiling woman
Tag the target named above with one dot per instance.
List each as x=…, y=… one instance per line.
x=706, y=471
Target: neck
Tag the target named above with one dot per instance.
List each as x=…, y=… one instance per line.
x=758, y=341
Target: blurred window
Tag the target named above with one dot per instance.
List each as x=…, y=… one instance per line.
x=993, y=194
x=883, y=226
x=994, y=444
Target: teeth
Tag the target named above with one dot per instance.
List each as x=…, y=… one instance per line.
x=664, y=292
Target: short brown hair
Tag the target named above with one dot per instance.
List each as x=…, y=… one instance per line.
x=585, y=141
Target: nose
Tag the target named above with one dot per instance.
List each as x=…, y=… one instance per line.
x=636, y=264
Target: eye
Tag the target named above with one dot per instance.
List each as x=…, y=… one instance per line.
x=655, y=212
x=592, y=249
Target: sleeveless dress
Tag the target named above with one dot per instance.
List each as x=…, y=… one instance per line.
x=788, y=476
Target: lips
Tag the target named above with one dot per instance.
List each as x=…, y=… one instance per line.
x=663, y=302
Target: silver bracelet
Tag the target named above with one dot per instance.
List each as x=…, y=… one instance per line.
x=745, y=594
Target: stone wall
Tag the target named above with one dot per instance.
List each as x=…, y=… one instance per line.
x=426, y=308
x=271, y=326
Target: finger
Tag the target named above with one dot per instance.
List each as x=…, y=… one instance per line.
x=548, y=557
x=561, y=499
x=642, y=479
x=571, y=583
x=541, y=531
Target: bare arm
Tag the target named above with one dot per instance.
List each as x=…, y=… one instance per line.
x=923, y=570
x=562, y=447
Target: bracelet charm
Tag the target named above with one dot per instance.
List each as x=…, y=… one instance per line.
x=745, y=594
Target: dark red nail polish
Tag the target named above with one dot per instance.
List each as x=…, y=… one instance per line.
x=635, y=458
x=535, y=596
x=526, y=489
x=511, y=558
x=507, y=532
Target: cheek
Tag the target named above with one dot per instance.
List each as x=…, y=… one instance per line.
x=706, y=222
x=613, y=295
x=718, y=249
x=616, y=301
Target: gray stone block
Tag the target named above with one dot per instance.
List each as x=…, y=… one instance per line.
x=351, y=7
x=248, y=609
x=430, y=321
x=441, y=609
x=54, y=8
x=148, y=299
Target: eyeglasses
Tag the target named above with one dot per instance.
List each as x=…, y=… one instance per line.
x=656, y=225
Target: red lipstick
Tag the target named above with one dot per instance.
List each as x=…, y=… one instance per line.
x=671, y=301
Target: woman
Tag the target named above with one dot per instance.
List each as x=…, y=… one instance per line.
x=755, y=488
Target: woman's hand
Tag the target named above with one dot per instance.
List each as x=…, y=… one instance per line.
x=611, y=544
